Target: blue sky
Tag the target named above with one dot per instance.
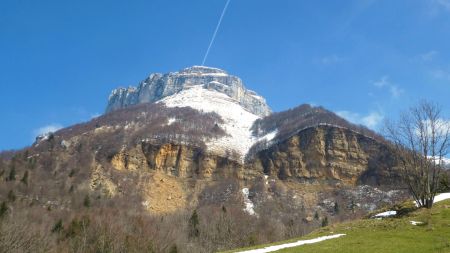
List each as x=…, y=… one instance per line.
x=365, y=59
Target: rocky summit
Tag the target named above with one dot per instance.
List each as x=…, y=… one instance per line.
x=158, y=86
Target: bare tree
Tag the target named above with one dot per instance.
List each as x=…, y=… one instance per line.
x=421, y=138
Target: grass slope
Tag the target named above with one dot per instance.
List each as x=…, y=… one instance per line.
x=394, y=235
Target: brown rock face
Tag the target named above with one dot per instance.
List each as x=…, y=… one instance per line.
x=177, y=160
x=320, y=154
x=327, y=153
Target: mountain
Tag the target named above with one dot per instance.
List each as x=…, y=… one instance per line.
x=158, y=86
x=197, y=142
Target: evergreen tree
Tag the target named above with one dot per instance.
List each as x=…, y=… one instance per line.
x=87, y=201
x=25, y=178
x=325, y=221
x=12, y=173
x=336, y=207
x=193, y=225
x=11, y=196
x=353, y=206
x=3, y=209
x=174, y=249
x=58, y=227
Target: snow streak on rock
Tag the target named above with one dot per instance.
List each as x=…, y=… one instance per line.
x=249, y=206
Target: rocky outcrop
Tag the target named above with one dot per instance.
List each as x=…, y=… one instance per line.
x=332, y=154
x=322, y=154
x=158, y=86
x=178, y=160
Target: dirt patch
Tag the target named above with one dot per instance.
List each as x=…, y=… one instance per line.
x=164, y=194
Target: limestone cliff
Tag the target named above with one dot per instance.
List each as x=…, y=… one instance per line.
x=321, y=154
x=183, y=161
x=327, y=153
x=158, y=86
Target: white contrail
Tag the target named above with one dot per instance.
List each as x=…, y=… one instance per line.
x=215, y=32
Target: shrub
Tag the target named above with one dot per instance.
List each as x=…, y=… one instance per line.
x=58, y=227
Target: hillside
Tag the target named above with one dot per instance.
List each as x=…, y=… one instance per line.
x=412, y=231
x=204, y=165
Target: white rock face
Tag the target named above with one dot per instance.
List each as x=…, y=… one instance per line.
x=159, y=86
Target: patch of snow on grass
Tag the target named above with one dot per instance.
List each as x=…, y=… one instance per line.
x=442, y=196
x=385, y=214
x=248, y=203
x=415, y=223
x=291, y=245
x=439, y=197
x=237, y=120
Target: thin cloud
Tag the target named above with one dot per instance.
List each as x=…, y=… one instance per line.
x=95, y=115
x=47, y=129
x=428, y=56
x=371, y=120
x=385, y=83
x=437, y=7
x=445, y=4
x=330, y=59
x=395, y=91
x=441, y=74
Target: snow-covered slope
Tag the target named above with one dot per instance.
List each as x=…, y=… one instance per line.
x=238, y=120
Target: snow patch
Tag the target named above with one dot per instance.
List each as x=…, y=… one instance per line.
x=171, y=121
x=442, y=196
x=292, y=244
x=386, y=214
x=439, y=197
x=248, y=203
x=415, y=223
x=237, y=120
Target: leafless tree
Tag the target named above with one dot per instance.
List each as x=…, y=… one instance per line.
x=421, y=138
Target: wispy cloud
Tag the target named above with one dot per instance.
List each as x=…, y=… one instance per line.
x=428, y=56
x=47, y=129
x=371, y=120
x=385, y=83
x=441, y=74
x=445, y=4
x=395, y=91
x=382, y=82
x=329, y=60
x=437, y=7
